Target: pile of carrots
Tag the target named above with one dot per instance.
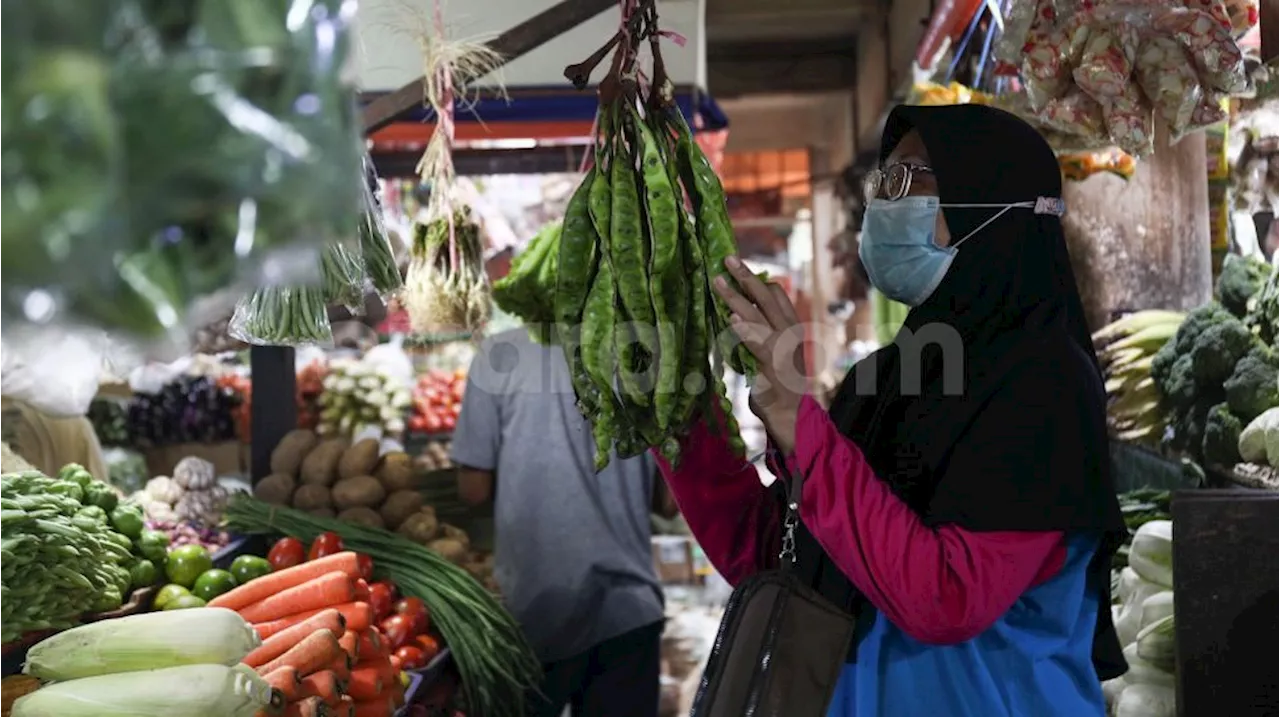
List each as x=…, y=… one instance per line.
x=320, y=647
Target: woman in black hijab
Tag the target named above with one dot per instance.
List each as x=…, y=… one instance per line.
x=957, y=496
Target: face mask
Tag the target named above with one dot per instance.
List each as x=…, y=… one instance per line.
x=898, y=250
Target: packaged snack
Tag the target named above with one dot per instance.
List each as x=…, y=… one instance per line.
x=1106, y=62
x=1074, y=113
x=1169, y=82
x=1215, y=53
x=1130, y=122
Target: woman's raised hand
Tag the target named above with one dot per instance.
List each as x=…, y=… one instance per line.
x=766, y=322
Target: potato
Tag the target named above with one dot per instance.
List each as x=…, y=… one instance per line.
x=359, y=491
x=449, y=549
x=359, y=460
x=323, y=513
x=310, y=496
x=395, y=471
x=320, y=467
x=455, y=533
x=421, y=527
x=361, y=516
x=276, y=489
x=399, y=506
x=291, y=450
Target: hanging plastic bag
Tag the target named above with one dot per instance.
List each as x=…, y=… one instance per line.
x=379, y=258
x=283, y=316
x=57, y=372
x=257, y=155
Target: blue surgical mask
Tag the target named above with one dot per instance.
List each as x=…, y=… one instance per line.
x=898, y=250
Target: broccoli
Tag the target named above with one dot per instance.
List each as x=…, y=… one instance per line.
x=1162, y=367
x=1188, y=428
x=1217, y=350
x=1252, y=388
x=1263, y=310
x=1222, y=437
x=1179, y=389
x=1198, y=319
x=1240, y=279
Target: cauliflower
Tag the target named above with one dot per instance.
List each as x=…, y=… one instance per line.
x=1240, y=280
x=1252, y=386
x=1222, y=437
x=1260, y=440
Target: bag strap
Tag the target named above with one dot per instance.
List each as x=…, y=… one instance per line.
x=791, y=512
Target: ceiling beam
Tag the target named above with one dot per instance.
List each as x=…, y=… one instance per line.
x=743, y=68
x=519, y=40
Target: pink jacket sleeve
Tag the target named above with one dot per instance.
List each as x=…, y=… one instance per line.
x=940, y=586
x=733, y=516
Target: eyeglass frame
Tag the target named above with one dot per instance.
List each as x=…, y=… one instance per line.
x=881, y=176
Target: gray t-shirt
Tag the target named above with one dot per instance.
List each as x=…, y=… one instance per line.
x=573, y=554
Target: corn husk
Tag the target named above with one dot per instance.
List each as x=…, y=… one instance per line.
x=147, y=641
x=186, y=691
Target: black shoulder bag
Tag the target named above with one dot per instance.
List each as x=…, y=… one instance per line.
x=780, y=646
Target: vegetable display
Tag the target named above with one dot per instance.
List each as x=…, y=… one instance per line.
x=437, y=401
x=61, y=556
x=192, y=496
x=492, y=656
x=158, y=664
x=357, y=395
x=190, y=409
x=1143, y=616
x=357, y=485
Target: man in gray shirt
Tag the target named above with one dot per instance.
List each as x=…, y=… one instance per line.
x=573, y=552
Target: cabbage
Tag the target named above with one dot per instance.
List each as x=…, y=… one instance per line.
x=1136, y=591
x=1147, y=701
x=1156, y=643
x=1151, y=554
x=1143, y=671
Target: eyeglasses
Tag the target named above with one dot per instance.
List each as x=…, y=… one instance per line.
x=892, y=182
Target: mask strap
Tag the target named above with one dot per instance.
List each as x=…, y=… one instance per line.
x=1042, y=205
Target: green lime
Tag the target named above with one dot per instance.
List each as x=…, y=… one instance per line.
x=213, y=583
x=168, y=594
x=183, y=602
x=187, y=563
x=248, y=567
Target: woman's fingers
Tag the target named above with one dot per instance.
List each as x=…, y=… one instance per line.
x=755, y=336
x=738, y=304
x=784, y=303
x=757, y=291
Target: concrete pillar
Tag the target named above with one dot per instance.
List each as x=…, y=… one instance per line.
x=1143, y=244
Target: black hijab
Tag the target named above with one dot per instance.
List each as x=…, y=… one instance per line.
x=1010, y=435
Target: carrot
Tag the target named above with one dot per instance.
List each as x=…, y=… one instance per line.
x=276, y=645
x=389, y=673
x=313, y=653
x=340, y=666
x=323, y=684
x=346, y=707
x=370, y=643
x=284, y=679
x=358, y=616
x=366, y=683
x=380, y=707
x=330, y=589
x=268, y=585
x=310, y=707
x=350, y=642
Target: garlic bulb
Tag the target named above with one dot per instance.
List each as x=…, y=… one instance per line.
x=195, y=473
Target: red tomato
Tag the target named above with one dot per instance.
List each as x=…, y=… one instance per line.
x=399, y=631
x=325, y=544
x=411, y=658
x=433, y=424
x=429, y=645
x=366, y=566
x=416, y=611
x=380, y=600
x=362, y=590
x=286, y=553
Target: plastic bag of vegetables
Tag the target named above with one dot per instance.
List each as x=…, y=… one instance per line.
x=257, y=158
x=375, y=244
